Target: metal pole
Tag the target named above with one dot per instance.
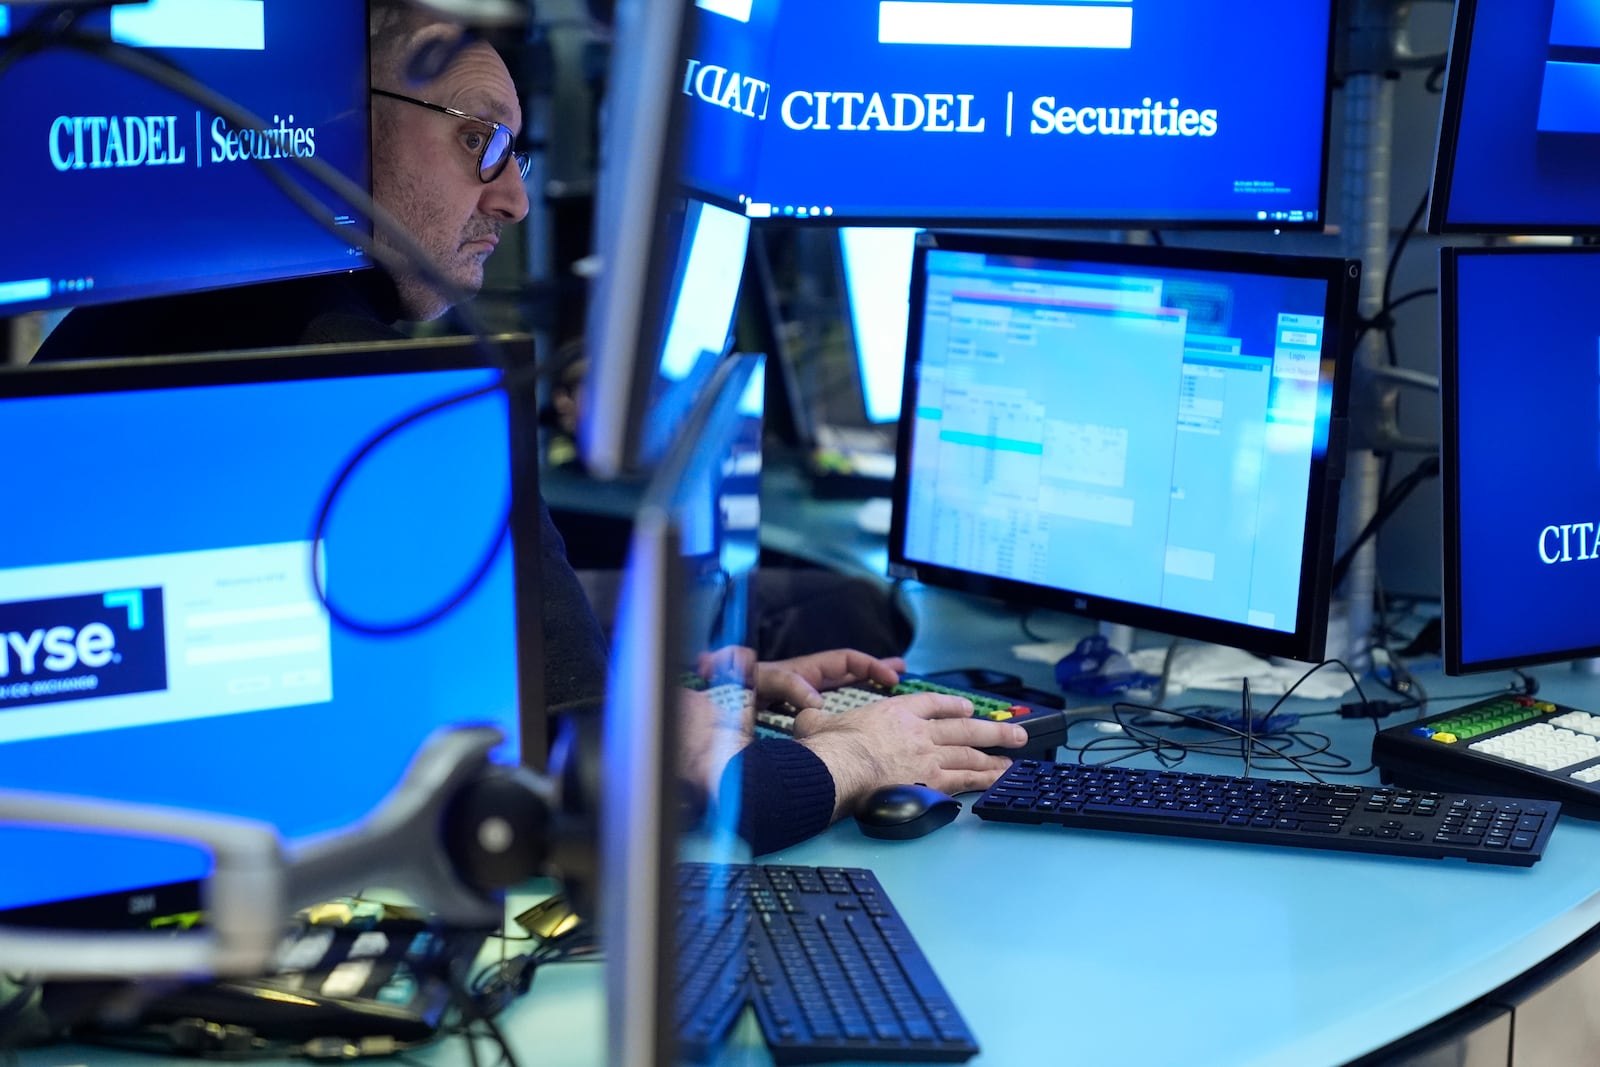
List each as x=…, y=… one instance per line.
x=1373, y=29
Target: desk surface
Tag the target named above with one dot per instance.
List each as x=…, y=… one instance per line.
x=1127, y=949
x=1150, y=950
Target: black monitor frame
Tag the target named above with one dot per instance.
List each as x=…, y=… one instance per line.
x=363, y=359
x=1444, y=156
x=1450, y=429
x=301, y=175
x=721, y=198
x=1308, y=639
x=625, y=321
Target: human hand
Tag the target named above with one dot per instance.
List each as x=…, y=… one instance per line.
x=930, y=738
x=731, y=664
x=708, y=737
x=800, y=680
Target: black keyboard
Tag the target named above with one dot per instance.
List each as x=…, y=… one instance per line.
x=1517, y=745
x=1396, y=822
x=829, y=965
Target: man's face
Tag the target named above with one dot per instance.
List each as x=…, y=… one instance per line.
x=425, y=170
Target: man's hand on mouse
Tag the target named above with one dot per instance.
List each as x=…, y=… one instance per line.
x=930, y=738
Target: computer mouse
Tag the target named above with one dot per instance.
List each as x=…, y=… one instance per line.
x=901, y=812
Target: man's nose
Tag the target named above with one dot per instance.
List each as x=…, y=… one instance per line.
x=505, y=197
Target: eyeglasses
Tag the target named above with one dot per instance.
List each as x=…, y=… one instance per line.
x=496, y=148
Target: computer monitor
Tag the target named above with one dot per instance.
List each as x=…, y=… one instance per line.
x=1145, y=435
x=877, y=280
x=166, y=196
x=683, y=594
x=1519, y=135
x=637, y=190
x=928, y=112
x=163, y=639
x=1519, y=523
x=706, y=280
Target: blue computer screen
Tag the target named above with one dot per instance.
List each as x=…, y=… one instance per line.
x=707, y=275
x=115, y=188
x=1136, y=433
x=877, y=282
x=1520, y=143
x=1202, y=111
x=1527, y=542
x=162, y=641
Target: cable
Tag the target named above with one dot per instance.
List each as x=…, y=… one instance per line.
x=1435, y=81
x=343, y=476
x=1264, y=748
x=1138, y=738
x=471, y=1014
x=12, y=1012
x=1394, y=261
x=1029, y=632
x=1428, y=468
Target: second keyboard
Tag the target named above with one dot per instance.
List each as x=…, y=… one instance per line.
x=1353, y=818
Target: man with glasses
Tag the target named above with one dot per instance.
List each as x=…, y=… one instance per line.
x=444, y=162
x=444, y=165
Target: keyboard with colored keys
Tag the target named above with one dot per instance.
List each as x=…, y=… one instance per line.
x=1399, y=822
x=1047, y=727
x=1517, y=745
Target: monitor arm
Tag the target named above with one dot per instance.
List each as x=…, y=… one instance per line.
x=456, y=831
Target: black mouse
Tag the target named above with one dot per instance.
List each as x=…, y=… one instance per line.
x=901, y=812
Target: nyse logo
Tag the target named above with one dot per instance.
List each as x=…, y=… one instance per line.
x=77, y=647
x=1569, y=102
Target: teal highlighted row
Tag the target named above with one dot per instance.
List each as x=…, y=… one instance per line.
x=930, y=413
x=998, y=444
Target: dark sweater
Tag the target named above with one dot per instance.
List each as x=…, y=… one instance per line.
x=785, y=794
x=361, y=306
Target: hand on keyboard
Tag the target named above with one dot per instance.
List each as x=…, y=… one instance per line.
x=800, y=681
x=714, y=724
x=930, y=738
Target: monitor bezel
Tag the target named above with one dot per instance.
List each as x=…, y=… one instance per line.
x=1455, y=661
x=364, y=359
x=1307, y=640
x=625, y=319
x=358, y=259
x=1447, y=143
x=354, y=360
x=955, y=221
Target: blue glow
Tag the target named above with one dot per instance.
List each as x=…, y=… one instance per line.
x=178, y=206
x=233, y=25
x=1525, y=145
x=1512, y=489
x=426, y=507
x=1051, y=462
x=846, y=111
